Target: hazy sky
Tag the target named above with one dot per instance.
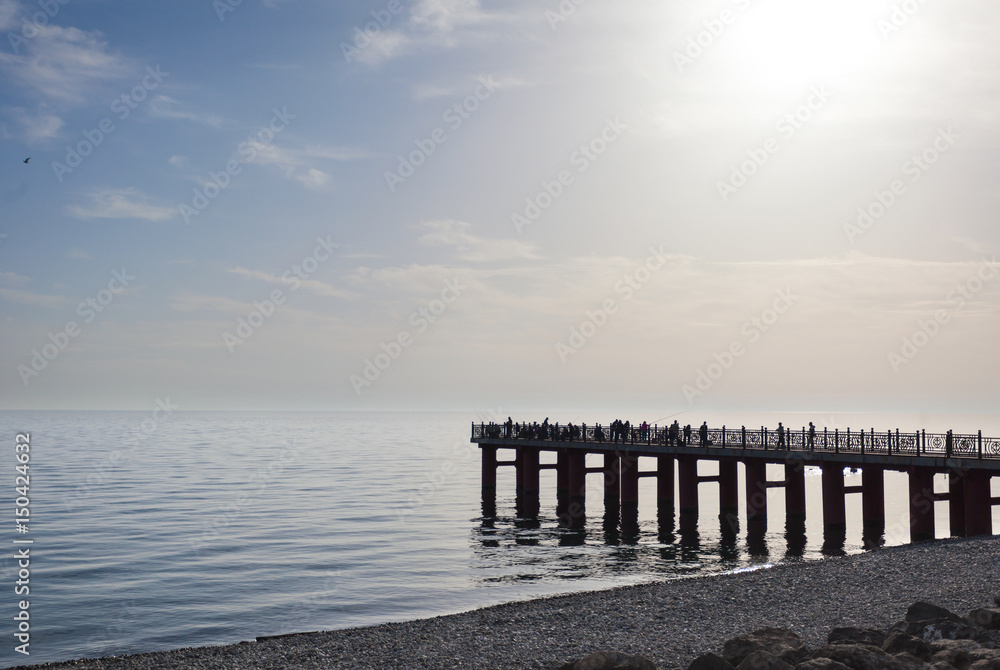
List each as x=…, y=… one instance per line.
x=467, y=204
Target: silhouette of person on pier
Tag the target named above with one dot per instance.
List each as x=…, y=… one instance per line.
x=812, y=435
x=687, y=434
x=781, y=438
x=703, y=433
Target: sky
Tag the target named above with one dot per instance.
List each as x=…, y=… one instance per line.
x=482, y=205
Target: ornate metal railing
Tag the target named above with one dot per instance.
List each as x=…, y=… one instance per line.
x=950, y=444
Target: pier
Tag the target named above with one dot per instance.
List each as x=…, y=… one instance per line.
x=969, y=460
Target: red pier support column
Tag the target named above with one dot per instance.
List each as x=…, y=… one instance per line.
x=577, y=466
x=873, y=505
x=687, y=482
x=834, y=506
x=956, y=504
x=529, y=481
x=489, y=471
x=756, y=490
x=921, y=504
x=873, y=496
x=562, y=481
x=795, y=491
x=729, y=499
x=665, y=484
x=630, y=492
x=612, y=483
x=978, y=504
x=489, y=481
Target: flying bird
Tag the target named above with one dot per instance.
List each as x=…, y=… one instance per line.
x=27, y=159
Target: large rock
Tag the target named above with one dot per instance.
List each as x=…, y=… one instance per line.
x=610, y=660
x=867, y=657
x=938, y=629
x=761, y=660
x=921, y=611
x=986, y=664
x=852, y=635
x=710, y=662
x=778, y=642
x=899, y=642
x=954, y=657
x=984, y=654
x=821, y=664
x=985, y=617
x=960, y=645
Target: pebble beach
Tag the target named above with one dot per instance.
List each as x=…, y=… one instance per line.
x=669, y=622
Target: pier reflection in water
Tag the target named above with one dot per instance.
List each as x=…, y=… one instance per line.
x=509, y=545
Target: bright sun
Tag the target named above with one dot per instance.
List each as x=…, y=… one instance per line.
x=781, y=44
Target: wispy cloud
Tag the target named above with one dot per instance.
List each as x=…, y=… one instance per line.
x=29, y=298
x=165, y=107
x=300, y=163
x=120, y=204
x=469, y=247
x=312, y=285
x=34, y=128
x=64, y=65
x=13, y=279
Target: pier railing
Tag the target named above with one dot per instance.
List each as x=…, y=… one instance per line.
x=889, y=442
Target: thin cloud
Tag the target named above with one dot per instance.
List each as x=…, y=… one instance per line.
x=469, y=247
x=120, y=204
x=29, y=298
x=65, y=65
x=312, y=285
x=165, y=107
x=35, y=128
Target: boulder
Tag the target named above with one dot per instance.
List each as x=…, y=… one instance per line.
x=852, y=635
x=865, y=657
x=985, y=617
x=610, y=660
x=938, y=629
x=761, y=660
x=710, y=662
x=986, y=664
x=778, y=642
x=921, y=611
x=959, y=645
x=821, y=664
x=954, y=657
x=983, y=654
x=899, y=642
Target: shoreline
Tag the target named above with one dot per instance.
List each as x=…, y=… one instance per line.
x=670, y=622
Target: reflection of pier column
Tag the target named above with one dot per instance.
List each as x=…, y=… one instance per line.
x=956, y=504
x=873, y=505
x=630, y=492
x=576, y=512
x=562, y=481
x=921, y=504
x=665, y=486
x=489, y=481
x=978, y=504
x=687, y=481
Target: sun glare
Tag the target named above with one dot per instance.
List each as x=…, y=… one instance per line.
x=791, y=43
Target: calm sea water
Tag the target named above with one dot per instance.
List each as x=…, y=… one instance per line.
x=159, y=531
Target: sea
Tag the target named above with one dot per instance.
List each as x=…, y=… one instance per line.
x=161, y=529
